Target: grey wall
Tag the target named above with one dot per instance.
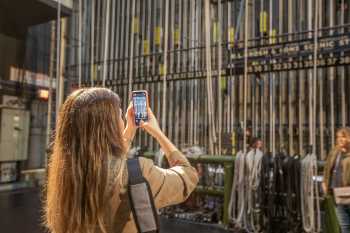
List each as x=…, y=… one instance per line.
x=11, y=53
x=37, y=135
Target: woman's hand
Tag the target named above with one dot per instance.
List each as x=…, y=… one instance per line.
x=151, y=126
x=130, y=118
x=130, y=127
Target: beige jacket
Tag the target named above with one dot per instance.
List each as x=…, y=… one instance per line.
x=330, y=164
x=169, y=187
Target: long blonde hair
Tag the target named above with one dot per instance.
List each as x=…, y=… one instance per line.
x=345, y=132
x=87, y=132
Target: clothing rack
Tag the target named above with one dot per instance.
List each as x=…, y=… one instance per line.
x=280, y=204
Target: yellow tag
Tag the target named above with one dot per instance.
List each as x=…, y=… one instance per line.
x=145, y=47
x=215, y=32
x=158, y=33
x=273, y=36
x=231, y=36
x=94, y=72
x=233, y=143
x=263, y=21
x=177, y=36
x=135, y=25
x=223, y=83
x=162, y=69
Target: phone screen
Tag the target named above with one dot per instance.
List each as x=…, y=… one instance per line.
x=140, y=106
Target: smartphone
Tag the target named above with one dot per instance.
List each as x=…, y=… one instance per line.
x=140, y=104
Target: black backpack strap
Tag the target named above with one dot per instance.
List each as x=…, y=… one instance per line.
x=134, y=172
x=141, y=199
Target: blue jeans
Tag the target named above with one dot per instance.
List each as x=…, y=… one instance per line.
x=343, y=215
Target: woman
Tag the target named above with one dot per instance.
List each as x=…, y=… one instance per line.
x=337, y=174
x=87, y=176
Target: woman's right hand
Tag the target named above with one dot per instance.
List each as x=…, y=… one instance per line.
x=151, y=126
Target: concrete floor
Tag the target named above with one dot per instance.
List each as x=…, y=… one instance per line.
x=20, y=212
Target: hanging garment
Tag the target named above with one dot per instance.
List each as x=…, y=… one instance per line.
x=291, y=167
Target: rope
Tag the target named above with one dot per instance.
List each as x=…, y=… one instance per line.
x=331, y=77
x=310, y=203
x=131, y=51
x=238, y=24
x=92, y=71
x=106, y=43
x=165, y=65
x=211, y=121
x=309, y=192
x=237, y=212
x=272, y=91
x=253, y=167
x=315, y=76
x=236, y=209
x=219, y=76
x=245, y=77
x=80, y=42
x=58, y=57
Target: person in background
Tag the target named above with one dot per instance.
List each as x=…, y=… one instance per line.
x=86, y=190
x=337, y=174
x=256, y=143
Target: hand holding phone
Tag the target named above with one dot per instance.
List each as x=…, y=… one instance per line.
x=140, y=104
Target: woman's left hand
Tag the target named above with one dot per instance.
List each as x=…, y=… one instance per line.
x=130, y=127
x=130, y=118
